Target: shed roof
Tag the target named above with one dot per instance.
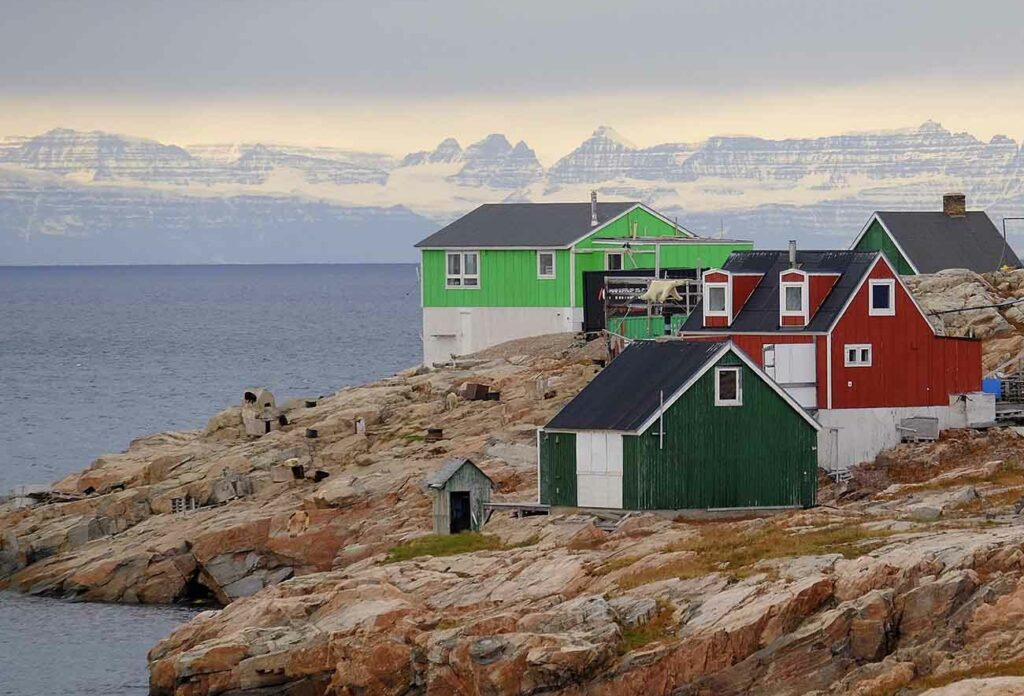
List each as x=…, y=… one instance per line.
x=760, y=314
x=934, y=241
x=528, y=225
x=623, y=395
x=440, y=477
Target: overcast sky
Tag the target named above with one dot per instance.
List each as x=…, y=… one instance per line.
x=398, y=76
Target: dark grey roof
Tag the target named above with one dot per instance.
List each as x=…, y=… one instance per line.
x=935, y=241
x=626, y=393
x=523, y=225
x=761, y=312
x=441, y=476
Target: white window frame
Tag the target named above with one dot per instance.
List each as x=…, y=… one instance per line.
x=554, y=265
x=461, y=276
x=804, y=300
x=708, y=312
x=858, y=361
x=889, y=311
x=738, y=401
x=622, y=260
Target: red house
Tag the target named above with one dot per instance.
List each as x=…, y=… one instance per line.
x=842, y=334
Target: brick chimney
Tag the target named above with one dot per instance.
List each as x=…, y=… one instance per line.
x=954, y=204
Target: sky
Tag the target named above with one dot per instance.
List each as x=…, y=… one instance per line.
x=396, y=76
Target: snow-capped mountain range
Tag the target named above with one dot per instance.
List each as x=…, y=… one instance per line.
x=69, y=196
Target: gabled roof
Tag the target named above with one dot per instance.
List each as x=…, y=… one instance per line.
x=649, y=375
x=440, y=477
x=933, y=241
x=760, y=314
x=528, y=225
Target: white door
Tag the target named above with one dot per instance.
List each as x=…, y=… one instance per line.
x=466, y=332
x=599, y=470
x=794, y=367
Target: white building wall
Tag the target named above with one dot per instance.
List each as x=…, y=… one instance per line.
x=464, y=330
x=854, y=435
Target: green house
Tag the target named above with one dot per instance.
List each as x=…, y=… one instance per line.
x=511, y=270
x=930, y=241
x=674, y=425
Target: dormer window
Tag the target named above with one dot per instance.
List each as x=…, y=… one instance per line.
x=793, y=300
x=882, y=298
x=716, y=299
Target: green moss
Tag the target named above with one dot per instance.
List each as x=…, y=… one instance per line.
x=443, y=545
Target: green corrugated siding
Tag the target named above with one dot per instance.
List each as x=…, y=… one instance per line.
x=647, y=225
x=875, y=239
x=676, y=323
x=508, y=278
x=758, y=454
x=558, y=469
x=637, y=327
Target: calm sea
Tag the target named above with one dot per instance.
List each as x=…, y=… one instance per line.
x=92, y=357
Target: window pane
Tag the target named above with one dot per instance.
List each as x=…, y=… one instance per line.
x=547, y=264
x=881, y=298
x=471, y=264
x=454, y=264
x=851, y=355
x=794, y=299
x=614, y=262
x=727, y=385
x=716, y=299
x=470, y=282
x=865, y=355
x=454, y=281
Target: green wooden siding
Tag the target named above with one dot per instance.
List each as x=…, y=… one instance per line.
x=558, y=469
x=508, y=278
x=876, y=239
x=756, y=455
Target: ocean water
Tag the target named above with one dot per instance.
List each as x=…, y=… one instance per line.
x=92, y=357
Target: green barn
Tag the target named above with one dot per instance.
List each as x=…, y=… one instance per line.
x=674, y=425
x=511, y=270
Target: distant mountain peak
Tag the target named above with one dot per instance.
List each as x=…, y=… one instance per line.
x=610, y=134
x=931, y=126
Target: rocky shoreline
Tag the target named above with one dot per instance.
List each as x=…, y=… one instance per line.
x=907, y=579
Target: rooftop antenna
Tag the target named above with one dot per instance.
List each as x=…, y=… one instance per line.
x=593, y=208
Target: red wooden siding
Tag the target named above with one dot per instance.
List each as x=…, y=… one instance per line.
x=716, y=277
x=910, y=366
x=821, y=286
x=742, y=287
x=716, y=321
x=792, y=321
x=791, y=277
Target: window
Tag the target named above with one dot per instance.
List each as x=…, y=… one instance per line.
x=716, y=299
x=545, y=264
x=858, y=355
x=882, y=298
x=463, y=269
x=794, y=299
x=613, y=261
x=728, y=387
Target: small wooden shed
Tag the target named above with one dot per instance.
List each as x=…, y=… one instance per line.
x=459, y=491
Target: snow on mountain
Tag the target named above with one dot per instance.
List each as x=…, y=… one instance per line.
x=817, y=189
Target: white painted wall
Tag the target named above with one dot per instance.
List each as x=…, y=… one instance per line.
x=599, y=470
x=464, y=330
x=850, y=436
x=793, y=366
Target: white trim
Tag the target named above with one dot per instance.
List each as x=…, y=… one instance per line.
x=622, y=263
x=554, y=265
x=881, y=222
x=653, y=212
x=527, y=247
x=461, y=275
x=538, y=464
x=727, y=346
x=889, y=311
x=828, y=370
x=706, y=286
x=738, y=401
x=572, y=277
x=859, y=348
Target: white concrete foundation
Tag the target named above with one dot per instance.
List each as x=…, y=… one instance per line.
x=854, y=435
x=451, y=331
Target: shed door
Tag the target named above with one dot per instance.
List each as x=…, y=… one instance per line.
x=794, y=367
x=599, y=470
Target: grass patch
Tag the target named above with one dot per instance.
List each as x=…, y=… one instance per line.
x=658, y=628
x=443, y=545
x=617, y=564
x=734, y=552
x=531, y=540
